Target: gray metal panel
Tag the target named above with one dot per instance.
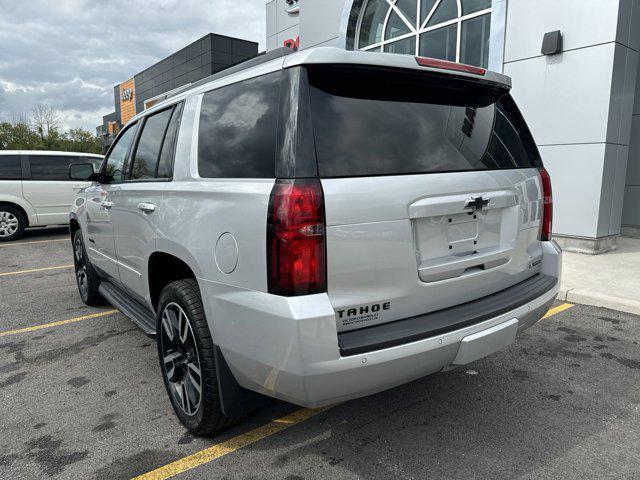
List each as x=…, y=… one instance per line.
x=271, y=19
x=583, y=23
x=618, y=157
x=565, y=98
x=576, y=204
x=628, y=32
x=498, y=32
x=633, y=163
x=631, y=214
x=623, y=84
x=320, y=21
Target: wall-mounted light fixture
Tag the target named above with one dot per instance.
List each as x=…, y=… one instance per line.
x=552, y=43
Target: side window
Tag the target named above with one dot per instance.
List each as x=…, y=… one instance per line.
x=95, y=161
x=238, y=127
x=10, y=167
x=51, y=167
x=118, y=156
x=145, y=160
x=165, y=165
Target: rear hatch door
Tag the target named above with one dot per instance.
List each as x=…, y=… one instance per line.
x=431, y=187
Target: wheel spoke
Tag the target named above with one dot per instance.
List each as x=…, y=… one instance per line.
x=183, y=327
x=168, y=326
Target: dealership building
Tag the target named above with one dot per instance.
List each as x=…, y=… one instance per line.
x=206, y=56
x=577, y=96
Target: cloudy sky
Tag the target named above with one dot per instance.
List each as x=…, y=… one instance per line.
x=70, y=53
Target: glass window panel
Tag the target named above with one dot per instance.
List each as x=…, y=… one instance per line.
x=474, y=41
x=405, y=46
x=52, y=167
x=440, y=43
x=425, y=9
x=409, y=9
x=472, y=6
x=145, y=159
x=165, y=165
x=395, y=27
x=372, y=22
x=447, y=10
x=118, y=155
x=10, y=167
x=416, y=128
x=238, y=129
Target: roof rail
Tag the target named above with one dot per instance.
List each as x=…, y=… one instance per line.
x=252, y=62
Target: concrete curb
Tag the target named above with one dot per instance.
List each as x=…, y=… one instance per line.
x=574, y=295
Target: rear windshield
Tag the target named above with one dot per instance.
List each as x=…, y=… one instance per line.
x=370, y=122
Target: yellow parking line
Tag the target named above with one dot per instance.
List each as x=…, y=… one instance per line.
x=56, y=324
x=216, y=451
x=15, y=244
x=33, y=270
x=558, y=309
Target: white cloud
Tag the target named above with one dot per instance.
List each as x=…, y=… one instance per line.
x=70, y=53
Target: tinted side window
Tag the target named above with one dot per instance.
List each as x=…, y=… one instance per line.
x=118, y=155
x=51, y=167
x=10, y=168
x=165, y=165
x=145, y=159
x=238, y=126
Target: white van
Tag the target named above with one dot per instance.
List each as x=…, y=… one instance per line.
x=35, y=189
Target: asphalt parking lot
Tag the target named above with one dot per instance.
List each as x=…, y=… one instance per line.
x=83, y=398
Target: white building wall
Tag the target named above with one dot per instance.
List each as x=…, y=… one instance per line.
x=577, y=104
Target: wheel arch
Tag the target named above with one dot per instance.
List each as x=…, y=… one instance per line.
x=18, y=207
x=164, y=268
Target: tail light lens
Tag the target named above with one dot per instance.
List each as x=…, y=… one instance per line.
x=547, y=201
x=296, y=253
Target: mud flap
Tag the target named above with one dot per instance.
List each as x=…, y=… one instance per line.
x=234, y=399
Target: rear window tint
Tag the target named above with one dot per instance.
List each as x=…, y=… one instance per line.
x=238, y=128
x=391, y=126
x=52, y=167
x=10, y=167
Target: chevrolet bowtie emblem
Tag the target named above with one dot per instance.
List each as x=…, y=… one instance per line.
x=476, y=204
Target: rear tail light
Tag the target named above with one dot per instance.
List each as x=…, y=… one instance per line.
x=547, y=202
x=447, y=65
x=296, y=254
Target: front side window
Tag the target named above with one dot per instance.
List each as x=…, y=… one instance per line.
x=455, y=30
x=116, y=161
x=145, y=160
x=52, y=167
x=10, y=167
x=238, y=129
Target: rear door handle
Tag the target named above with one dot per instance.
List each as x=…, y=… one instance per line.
x=147, y=207
x=106, y=205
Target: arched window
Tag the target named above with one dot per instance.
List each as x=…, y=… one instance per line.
x=456, y=30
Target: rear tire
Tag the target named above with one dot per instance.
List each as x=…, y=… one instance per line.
x=87, y=278
x=185, y=348
x=12, y=223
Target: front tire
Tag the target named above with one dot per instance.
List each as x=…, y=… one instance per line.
x=87, y=278
x=186, y=353
x=12, y=223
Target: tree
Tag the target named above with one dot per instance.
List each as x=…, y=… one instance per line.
x=43, y=133
x=46, y=121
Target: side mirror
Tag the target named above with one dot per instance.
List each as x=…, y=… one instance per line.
x=80, y=171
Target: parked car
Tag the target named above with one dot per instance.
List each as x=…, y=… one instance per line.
x=320, y=226
x=35, y=189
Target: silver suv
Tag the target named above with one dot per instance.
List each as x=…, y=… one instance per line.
x=319, y=226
